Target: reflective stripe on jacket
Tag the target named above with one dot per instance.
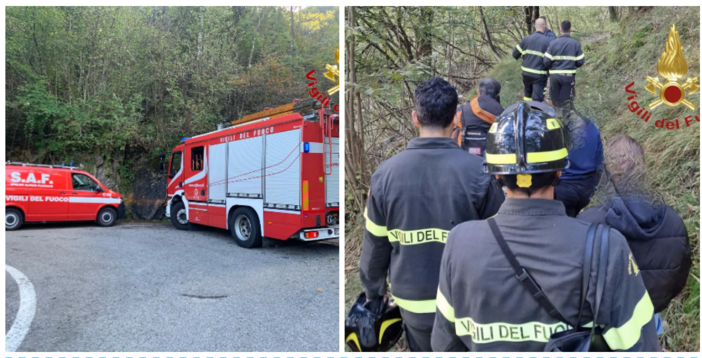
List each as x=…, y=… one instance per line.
x=531, y=49
x=563, y=56
x=481, y=306
x=415, y=198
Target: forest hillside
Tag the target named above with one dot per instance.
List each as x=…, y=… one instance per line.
x=112, y=88
x=396, y=48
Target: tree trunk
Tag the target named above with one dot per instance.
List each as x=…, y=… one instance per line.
x=199, y=37
x=292, y=33
x=612, y=13
x=253, y=43
x=531, y=13
x=487, y=35
x=426, y=16
x=355, y=162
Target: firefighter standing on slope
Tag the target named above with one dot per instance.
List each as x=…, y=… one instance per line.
x=415, y=198
x=531, y=50
x=561, y=59
x=483, y=306
x=477, y=115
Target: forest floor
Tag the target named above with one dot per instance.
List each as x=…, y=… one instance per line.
x=617, y=55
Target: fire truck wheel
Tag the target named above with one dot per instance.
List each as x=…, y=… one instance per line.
x=179, y=217
x=13, y=219
x=106, y=217
x=245, y=228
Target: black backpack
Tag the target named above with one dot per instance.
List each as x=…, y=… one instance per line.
x=577, y=339
x=474, y=140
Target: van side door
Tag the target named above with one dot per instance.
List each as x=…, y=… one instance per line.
x=86, y=197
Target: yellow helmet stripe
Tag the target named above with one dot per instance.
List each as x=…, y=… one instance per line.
x=385, y=325
x=501, y=158
x=550, y=156
x=354, y=337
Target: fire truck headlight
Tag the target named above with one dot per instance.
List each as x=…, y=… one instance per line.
x=307, y=147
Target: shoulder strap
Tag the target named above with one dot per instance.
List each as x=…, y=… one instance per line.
x=523, y=275
x=587, y=265
x=601, y=270
x=479, y=112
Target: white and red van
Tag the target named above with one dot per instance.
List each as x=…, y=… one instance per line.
x=43, y=193
x=272, y=174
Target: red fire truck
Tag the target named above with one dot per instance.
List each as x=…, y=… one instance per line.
x=272, y=174
x=39, y=193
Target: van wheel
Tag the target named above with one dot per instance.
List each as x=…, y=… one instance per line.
x=179, y=218
x=13, y=219
x=106, y=217
x=245, y=228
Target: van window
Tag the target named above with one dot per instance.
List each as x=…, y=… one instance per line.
x=197, y=159
x=175, y=162
x=83, y=182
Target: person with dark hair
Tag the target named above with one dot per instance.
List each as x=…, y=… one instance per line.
x=414, y=199
x=513, y=281
x=561, y=59
x=550, y=34
x=477, y=115
x=656, y=234
x=579, y=180
x=531, y=49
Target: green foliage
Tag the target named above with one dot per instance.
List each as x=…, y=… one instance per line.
x=129, y=82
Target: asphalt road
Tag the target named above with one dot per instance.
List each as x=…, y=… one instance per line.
x=148, y=287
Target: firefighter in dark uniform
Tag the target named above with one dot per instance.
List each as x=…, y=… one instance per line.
x=561, y=59
x=482, y=306
x=477, y=116
x=531, y=50
x=415, y=198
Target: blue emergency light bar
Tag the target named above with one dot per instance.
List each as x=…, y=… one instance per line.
x=307, y=147
x=182, y=140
